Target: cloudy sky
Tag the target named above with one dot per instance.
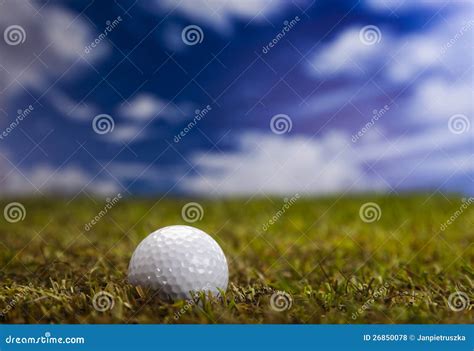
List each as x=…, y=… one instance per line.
x=236, y=97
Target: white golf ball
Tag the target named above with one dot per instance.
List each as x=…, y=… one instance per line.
x=178, y=260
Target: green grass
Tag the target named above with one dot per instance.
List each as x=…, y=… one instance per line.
x=336, y=268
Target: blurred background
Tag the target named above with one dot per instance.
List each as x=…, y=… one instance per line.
x=226, y=98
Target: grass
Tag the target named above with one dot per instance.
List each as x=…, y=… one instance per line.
x=335, y=267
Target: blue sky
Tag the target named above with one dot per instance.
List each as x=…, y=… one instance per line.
x=350, y=97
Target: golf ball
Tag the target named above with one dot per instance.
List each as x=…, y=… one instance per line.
x=177, y=260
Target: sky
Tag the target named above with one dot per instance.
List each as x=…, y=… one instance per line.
x=238, y=97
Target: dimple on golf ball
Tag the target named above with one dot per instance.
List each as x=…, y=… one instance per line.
x=178, y=260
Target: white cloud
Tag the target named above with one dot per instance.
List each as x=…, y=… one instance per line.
x=267, y=164
x=147, y=106
x=48, y=50
x=125, y=133
x=415, y=145
x=437, y=99
x=220, y=14
x=348, y=55
x=397, y=6
x=45, y=179
x=399, y=58
x=272, y=164
x=68, y=107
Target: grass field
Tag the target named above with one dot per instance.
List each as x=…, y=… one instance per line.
x=335, y=267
